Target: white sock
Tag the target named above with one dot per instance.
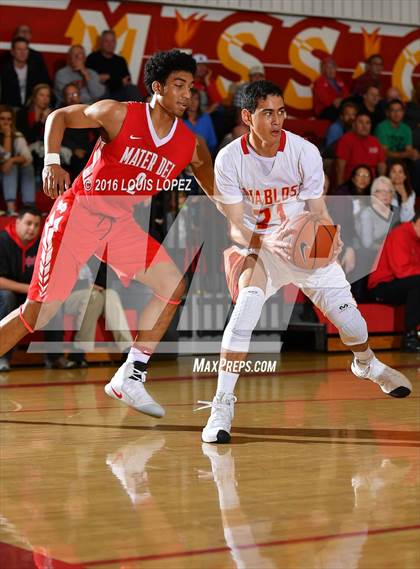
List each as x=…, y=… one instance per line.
x=365, y=357
x=136, y=355
x=226, y=382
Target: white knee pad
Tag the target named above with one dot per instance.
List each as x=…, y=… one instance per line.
x=245, y=316
x=350, y=323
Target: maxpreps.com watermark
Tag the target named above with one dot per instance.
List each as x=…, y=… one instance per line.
x=203, y=365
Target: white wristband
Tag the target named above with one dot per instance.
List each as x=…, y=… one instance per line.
x=52, y=158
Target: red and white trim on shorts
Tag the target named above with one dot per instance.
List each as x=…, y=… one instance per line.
x=45, y=263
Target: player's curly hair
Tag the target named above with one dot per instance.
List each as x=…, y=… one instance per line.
x=163, y=63
x=256, y=91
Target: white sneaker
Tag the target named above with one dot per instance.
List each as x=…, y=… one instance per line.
x=4, y=364
x=391, y=381
x=218, y=426
x=127, y=386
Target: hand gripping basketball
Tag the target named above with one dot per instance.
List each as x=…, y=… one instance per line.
x=279, y=242
x=316, y=242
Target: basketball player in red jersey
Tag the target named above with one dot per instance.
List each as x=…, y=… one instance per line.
x=264, y=179
x=142, y=148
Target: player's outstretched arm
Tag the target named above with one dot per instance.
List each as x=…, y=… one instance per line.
x=108, y=115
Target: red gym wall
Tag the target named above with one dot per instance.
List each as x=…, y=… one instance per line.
x=289, y=47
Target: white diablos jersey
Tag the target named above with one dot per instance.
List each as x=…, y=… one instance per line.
x=272, y=190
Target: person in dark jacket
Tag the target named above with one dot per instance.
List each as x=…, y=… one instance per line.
x=113, y=70
x=20, y=74
x=19, y=244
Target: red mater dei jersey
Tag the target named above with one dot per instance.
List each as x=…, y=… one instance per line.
x=136, y=164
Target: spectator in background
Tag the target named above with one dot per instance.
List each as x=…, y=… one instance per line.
x=391, y=93
x=87, y=80
x=18, y=249
x=328, y=91
x=77, y=143
x=15, y=162
x=255, y=73
x=344, y=123
x=371, y=77
x=377, y=219
x=30, y=121
x=35, y=57
x=372, y=226
x=405, y=196
x=113, y=70
x=370, y=105
x=205, y=84
x=397, y=139
x=199, y=122
x=345, y=206
x=396, y=279
x=359, y=147
x=19, y=75
x=394, y=135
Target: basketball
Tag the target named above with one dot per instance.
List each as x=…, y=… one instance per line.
x=312, y=242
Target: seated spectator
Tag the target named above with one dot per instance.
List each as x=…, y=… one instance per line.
x=89, y=301
x=394, y=135
x=372, y=226
x=205, y=84
x=199, y=122
x=359, y=147
x=344, y=123
x=112, y=69
x=377, y=219
x=19, y=75
x=328, y=91
x=255, y=73
x=391, y=93
x=30, y=121
x=15, y=162
x=87, y=80
x=18, y=249
x=345, y=210
x=396, y=279
x=405, y=197
x=358, y=184
x=372, y=76
x=370, y=105
x=35, y=57
x=397, y=139
x=77, y=143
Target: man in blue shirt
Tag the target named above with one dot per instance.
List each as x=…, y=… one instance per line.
x=344, y=123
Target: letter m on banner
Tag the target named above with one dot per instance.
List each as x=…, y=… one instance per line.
x=131, y=31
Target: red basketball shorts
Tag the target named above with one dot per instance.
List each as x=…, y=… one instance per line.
x=73, y=233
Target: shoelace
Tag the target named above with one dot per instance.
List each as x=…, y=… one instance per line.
x=219, y=405
x=139, y=375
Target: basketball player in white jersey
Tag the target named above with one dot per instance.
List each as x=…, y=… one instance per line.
x=264, y=180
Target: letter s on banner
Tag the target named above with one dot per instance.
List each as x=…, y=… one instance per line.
x=303, y=44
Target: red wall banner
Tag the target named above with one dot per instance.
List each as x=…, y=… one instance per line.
x=288, y=47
